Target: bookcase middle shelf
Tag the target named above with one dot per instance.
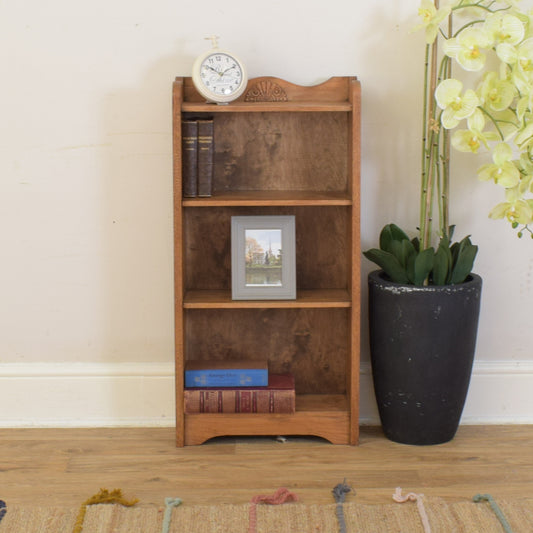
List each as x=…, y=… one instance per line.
x=308, y=298
x=271, y=198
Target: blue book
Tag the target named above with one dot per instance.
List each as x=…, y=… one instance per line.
x=226, y=373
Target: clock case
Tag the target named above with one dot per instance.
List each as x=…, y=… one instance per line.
x=204, y=91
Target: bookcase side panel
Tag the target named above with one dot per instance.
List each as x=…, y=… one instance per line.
x=354, y=153
x=177, y=98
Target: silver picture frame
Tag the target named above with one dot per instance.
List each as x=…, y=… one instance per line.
x=263, y=258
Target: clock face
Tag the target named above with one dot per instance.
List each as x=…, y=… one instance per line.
x=221, y=75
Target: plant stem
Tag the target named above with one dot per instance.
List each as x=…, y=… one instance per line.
x=424, y=164
x=428, y=190
x=445, y=193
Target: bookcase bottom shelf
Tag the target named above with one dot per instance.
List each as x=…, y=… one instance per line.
x=325, y=416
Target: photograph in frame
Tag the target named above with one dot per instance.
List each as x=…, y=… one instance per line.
x=263, y=257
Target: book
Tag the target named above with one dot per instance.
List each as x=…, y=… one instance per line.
x=230, y=373
x=189, y=139
x=278, y=397
x=205, y=157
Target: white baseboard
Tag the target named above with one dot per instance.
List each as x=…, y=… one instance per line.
x=499, y=393
x=142, y=394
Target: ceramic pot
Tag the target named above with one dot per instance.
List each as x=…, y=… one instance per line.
x=422, y=344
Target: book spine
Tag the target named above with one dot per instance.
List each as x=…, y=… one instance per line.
x=189, y=139
x=253, y=377
x=205, y=157
x=239, y=401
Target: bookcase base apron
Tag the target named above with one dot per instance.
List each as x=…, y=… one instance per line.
x=330, y=423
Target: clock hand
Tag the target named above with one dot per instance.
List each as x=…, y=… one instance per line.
x=214, y=70
x=227, y=70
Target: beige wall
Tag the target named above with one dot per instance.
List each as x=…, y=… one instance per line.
x=85, y=178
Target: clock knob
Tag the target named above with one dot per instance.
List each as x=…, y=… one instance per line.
x=214, y=40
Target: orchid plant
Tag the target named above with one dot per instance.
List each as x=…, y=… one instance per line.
x=494, y=39
x=490, y=42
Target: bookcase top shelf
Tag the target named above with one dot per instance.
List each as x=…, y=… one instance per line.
x=270, y=94
x=252, y=107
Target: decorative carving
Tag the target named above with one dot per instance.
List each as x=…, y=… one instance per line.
x=266, y=91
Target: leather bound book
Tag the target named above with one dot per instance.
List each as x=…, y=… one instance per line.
x=206, y=151
x=278, y=397
x=189, y=140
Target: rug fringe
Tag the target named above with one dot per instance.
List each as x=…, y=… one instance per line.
x=496, y=508
x=103, y=496
x=339, y=493
x=419, y=499
x=282, y=495
x=170, y=503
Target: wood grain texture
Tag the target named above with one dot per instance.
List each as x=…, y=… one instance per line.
x=63, y=467
x=271, y=198
x=311, y=298
x=281, y=151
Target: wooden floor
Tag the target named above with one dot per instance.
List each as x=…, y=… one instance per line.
x=65, y=467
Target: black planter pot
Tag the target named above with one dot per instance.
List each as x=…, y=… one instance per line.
x=422, y=343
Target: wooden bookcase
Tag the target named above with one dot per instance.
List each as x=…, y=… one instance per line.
x=280, y=149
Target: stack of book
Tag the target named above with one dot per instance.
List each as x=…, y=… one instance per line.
x=197, y=157
x=237, y=387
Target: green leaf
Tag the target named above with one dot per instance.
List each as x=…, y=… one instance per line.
x=410, y=267
x=454, y=250
x=423, y=265
x=464, y=262
x=397, y=250
x=389, y=234
x=451, y=229
x=388, y=263
x=444, y=245
x=385, y=238
x=440, y=266
x=397, y=233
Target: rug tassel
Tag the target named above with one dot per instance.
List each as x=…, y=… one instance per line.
x=418, y=498
x=339, y=493
x=495, y=507
x=104, y=496
x=170, y=503
x=282, y=495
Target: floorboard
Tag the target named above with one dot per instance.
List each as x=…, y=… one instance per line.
x=66, y=466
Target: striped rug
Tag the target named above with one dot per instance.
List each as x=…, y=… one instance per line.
x=299, y=517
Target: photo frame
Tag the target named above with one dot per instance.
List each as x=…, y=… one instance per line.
x=263, y=258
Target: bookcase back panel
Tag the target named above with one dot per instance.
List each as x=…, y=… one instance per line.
x=322, y=258
x=310, y=343
x=280, y=151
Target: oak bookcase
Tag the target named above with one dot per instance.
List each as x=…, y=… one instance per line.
x=280, y=149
